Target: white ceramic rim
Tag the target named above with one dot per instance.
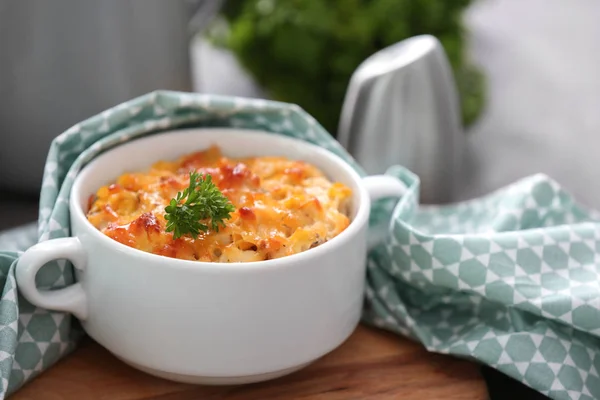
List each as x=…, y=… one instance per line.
x=356, y=223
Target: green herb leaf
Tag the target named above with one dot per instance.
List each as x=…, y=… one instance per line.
x=204, y=206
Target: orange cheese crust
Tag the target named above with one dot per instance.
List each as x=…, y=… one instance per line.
x=282, y=207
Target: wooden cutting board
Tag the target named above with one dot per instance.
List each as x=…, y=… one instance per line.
x=371, y=364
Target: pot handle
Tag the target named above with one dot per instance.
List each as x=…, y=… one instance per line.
x=381, y=187
x=70, y=299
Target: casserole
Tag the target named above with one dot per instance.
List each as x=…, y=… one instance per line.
x=206, y=322
x=272, y=207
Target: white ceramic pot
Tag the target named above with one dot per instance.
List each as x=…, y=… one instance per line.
x=206, y=322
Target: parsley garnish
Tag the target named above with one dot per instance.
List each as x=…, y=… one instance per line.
x=204, y=205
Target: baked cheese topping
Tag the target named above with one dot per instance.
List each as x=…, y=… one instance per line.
x=282, y=207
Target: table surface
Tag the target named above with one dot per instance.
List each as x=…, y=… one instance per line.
x=371, y=364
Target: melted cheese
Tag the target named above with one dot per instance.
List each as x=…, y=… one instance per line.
x=282, y=207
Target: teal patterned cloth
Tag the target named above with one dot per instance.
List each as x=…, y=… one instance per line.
x=509, y=280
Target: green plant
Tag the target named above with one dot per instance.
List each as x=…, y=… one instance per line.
x=203, y=203
x=305, y=51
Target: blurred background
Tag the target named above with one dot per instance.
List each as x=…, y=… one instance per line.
x=525, y=72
